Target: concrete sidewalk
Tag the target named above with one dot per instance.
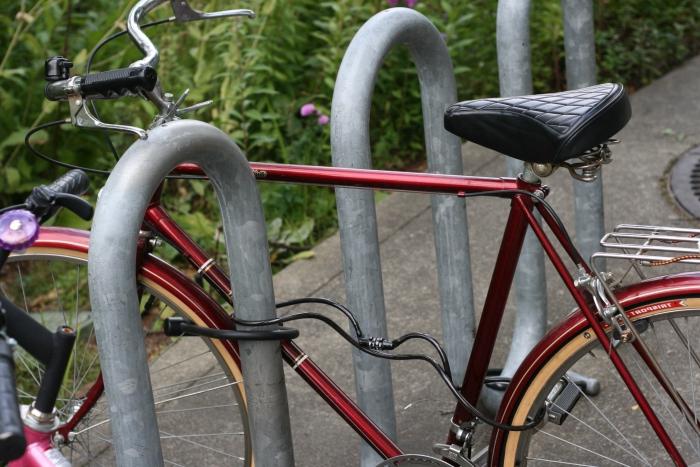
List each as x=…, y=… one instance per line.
x=665, y=124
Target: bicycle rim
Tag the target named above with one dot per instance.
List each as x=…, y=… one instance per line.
x=196, y=383
x=609, y=428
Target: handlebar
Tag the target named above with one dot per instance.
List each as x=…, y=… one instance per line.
x=105, y=85
x=45, y=200
x=19, y=225
x=183, y=12
x=139, y=78
x=75, y=182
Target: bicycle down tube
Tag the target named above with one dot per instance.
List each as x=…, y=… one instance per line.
x=519, y=218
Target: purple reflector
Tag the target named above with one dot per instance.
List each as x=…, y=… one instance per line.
x=18, y=229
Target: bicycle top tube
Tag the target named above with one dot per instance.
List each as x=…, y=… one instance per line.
x=458, y=185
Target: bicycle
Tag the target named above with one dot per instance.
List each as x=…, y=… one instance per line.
x=26, y=441
x=543, y=395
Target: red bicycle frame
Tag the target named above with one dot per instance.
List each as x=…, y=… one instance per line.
x=516, y=227
x=524, y=200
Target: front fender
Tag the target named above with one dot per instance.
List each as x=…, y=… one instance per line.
x=644, y=298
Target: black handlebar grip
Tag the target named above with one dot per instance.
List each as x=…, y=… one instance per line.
x=75, y=182
x=117, y=83
x=12, y=442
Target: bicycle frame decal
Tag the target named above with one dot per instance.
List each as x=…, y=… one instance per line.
x=658, y=307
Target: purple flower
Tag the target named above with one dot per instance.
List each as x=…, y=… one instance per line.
x=323, y=119
x=392, y=3
x=411, y=3
x=307, y=110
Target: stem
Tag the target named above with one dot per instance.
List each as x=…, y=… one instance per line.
x=21, y=27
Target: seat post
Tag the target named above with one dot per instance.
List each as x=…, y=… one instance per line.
x=529, y=175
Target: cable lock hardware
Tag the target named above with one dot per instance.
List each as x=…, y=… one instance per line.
x=182, y=327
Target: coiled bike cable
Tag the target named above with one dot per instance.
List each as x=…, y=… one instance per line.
x=371, y=346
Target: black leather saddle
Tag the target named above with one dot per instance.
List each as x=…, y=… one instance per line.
x=543, y=127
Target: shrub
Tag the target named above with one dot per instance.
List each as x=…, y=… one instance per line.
x=261, y=72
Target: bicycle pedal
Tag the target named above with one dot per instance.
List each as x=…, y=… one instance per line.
x=562, y=400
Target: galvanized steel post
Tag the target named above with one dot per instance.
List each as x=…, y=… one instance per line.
x=579, y=45
x=515, y=78
x=115, y=304
x=515, y=74
x=350, y=144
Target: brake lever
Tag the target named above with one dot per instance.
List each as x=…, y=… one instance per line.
x=184, y=12
x=83, y=118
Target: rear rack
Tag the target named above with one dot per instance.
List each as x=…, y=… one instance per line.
x=649, y=245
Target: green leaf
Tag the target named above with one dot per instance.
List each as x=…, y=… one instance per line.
x=273, y=228
x=12, y=177
x=14, y=139
x=302, y=233
x=308, y=254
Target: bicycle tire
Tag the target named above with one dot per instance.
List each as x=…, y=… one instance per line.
x=178, y=374
x=607, y=428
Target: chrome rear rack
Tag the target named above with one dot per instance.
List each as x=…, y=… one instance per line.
x=650, y=245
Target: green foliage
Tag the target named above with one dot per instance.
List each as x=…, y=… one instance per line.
x=260, y=72
x=639, y=40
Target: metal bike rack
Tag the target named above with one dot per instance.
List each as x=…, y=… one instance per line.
x=115, y=304
x=579, y=46
x=350, y=144
x=515, y=78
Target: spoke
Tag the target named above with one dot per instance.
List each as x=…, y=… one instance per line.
x=181, y=361
x=58, y=295
x=669, y=387
x=173, y=463
x=199, y=435
x=76, y=329
x=21, y=285
x=639, y=457
x=25, y=394
x=551, y=461
x=581, y=447
x=665, y=405
x=680, y=404
x=197, y=393
x=86, y=448
x=175, y=391
x=208, y=407
x=614, y=427
x=214, y=377
x=107, y=420
x=691, y=376
x=91, y=427
x=170, y=435
x=685, y=341
x=28, y=366
x=87, y=371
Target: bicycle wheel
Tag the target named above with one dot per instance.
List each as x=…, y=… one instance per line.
x=609, y=428
x=196, y=382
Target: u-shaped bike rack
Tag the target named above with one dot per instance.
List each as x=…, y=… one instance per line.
x=350, y=144
x=515, y=78
x=114, y=299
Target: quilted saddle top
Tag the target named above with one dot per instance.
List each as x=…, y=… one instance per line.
x=543, y=127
